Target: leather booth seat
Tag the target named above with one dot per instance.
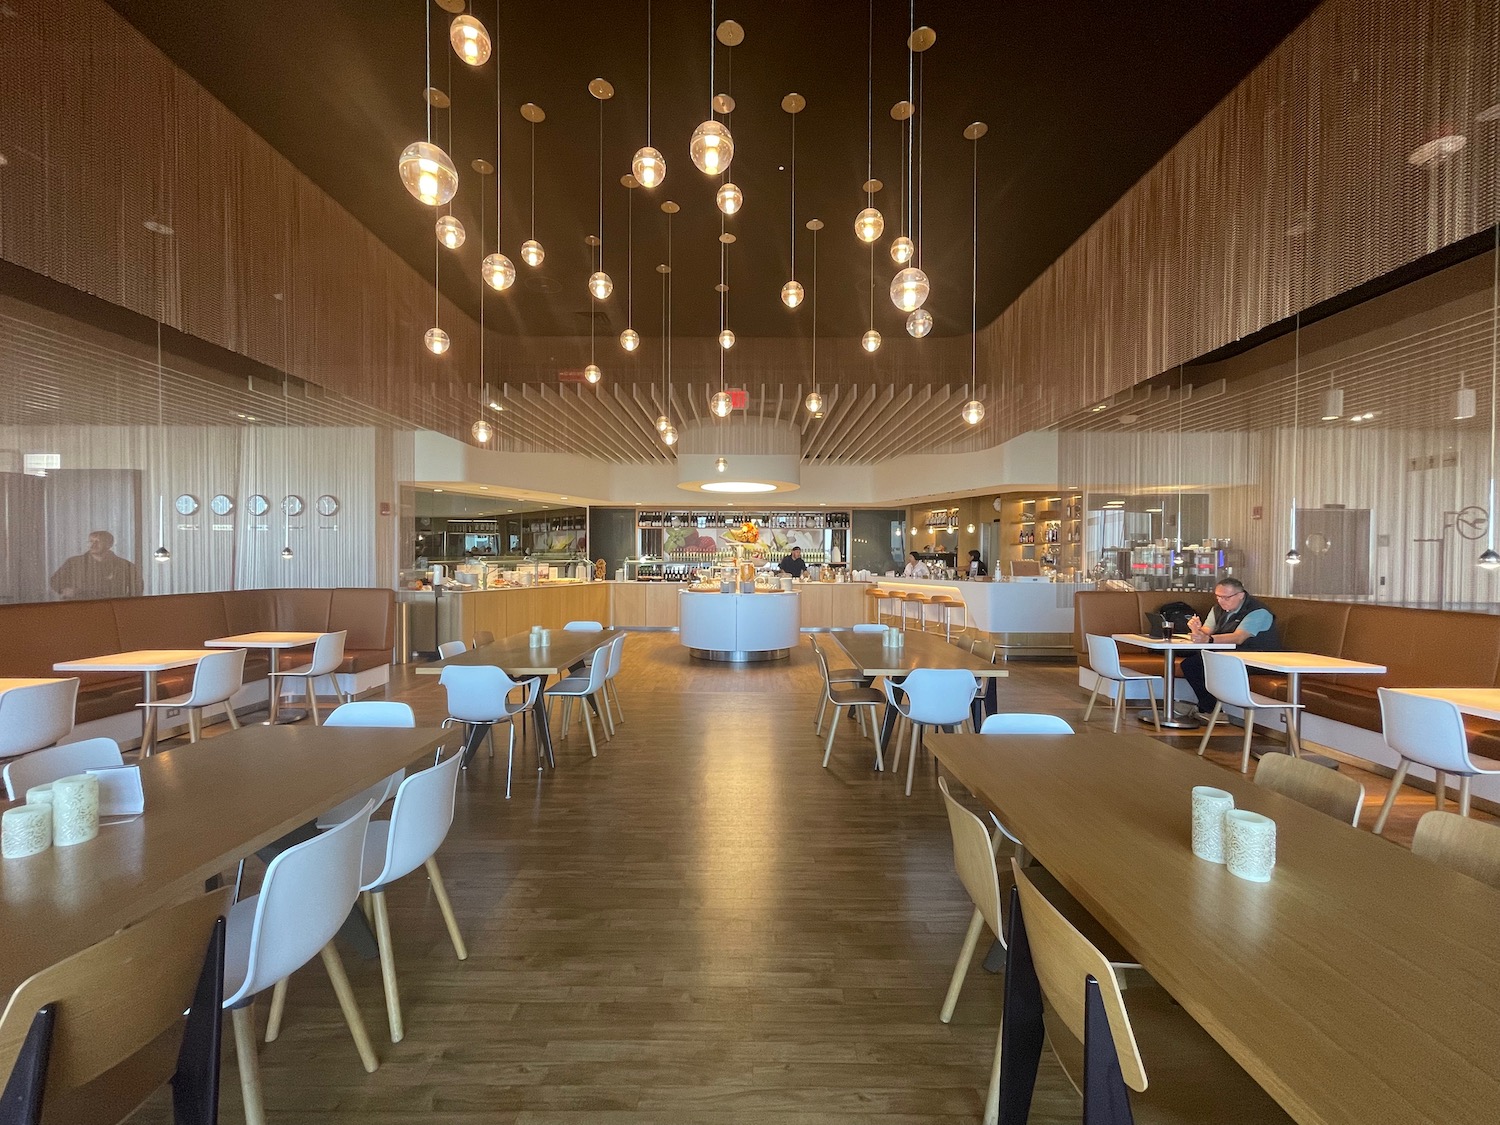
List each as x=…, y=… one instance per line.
x=1419, y=648
x=34, y=637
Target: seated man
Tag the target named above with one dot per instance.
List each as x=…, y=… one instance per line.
x=1238, y=619
x=792, y=563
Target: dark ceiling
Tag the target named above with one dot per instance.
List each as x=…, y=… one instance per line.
x=1081, y=99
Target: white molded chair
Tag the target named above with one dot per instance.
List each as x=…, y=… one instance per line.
x=1022, y=723
x=583, y=627
x=934, y=697
x=53, y=762
x=216, y=679
x=852, y=698
x=481, y=694
x=328, y=654
x=367, y=713
x=305, y=897
x=611, y=688
x=1228, y=681
x=36, y=715
x=451, y=648
x=868, y=627
x=581, y=689
x=1428, y=732
x=1104, y=661
x=610, y=655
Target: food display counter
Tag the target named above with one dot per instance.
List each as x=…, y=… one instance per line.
x=739, y=627
x=429, y=619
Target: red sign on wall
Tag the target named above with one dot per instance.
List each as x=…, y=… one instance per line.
x=570, y=375
x=739, y=399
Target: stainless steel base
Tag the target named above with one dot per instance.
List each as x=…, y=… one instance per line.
x=739, y=657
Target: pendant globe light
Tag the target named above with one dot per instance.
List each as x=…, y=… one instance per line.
x=162, y=554
x=425, y=168
x=729, y=199
x=450, y=232
x=664, y=425
x=973, y=411
x=649, y=167
x=712, y=146
x=869, y=224
x=600, y=285
x=870, y=341
x=471, y=42
x=791, y=292
x=1489, y=559
x=1294, y=556
x=910, y=287
x=498, y=271
x=720, y=405
x=630, y=339
x=918, y=323
x=531, y=250
x=902, y=247
x=481, y=430
x=814, y=400
x=435, y=338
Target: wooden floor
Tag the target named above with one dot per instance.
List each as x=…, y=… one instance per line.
x=700, y=925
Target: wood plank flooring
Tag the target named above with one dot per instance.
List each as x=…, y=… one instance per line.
x=699, y=925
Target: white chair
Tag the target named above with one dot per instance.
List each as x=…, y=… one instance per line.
x=481, y=696
x=582, y=689
x=419, y=823
x=869, y=627
x=831, y=675
x=934, y=697
x=305, y=897
x=328, y=654
x=611, y=688
x=53, y=762
x=216, y=679
x=451, y=648
x=36, y=715
x=1104, y=661
x=1228, y=681
x=1428, y=732
x=1020, y=723
x=367, y=713
x=851, y=698
x=583, y=627
x=610, y=654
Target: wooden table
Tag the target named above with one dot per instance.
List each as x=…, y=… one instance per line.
x=520, y=660
x=1360, y=984
x=207, y=805
x=873, y=657
x=274, y=643
x=148, y=662
x=1169, y=650
x=1482, y=702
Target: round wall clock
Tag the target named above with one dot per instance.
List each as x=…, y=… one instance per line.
x=292, y=505
x=186, y=505
x=221, y=505
x=328, y=505
x=258, y=505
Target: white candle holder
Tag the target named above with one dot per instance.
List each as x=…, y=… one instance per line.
x=25, y=830
x=40, y=794
x=1249, y=845
x=75, y=809
x=1209, y=807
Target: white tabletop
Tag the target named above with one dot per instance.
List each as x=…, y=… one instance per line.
x=1483, y=702
x=265, y=640
x=1179, y=640
x=1308, y=662
x=141, y=660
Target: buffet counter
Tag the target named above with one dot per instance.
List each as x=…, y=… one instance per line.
x=1014, y=615
x=457, y=615
x=739, y=627
x=654, y=605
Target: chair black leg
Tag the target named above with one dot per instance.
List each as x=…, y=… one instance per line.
x=1022, y=1032
x=21, y=1103
x=1105, y=1098
x=195, y=1085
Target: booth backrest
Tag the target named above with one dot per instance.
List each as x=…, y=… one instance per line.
x=1309, y=626
x=35, y=636
x=169, y=620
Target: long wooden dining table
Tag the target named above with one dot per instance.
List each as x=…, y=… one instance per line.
x=1361, y=984
x=207, y=806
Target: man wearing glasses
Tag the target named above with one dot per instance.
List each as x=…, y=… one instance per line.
x=1238, y=619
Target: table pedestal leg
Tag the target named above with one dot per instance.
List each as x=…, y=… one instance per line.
x=887, y=725
x=473, y=737
x=1169, y=718
x=275, y=690
x=148, y=716
x=543, y=727
x=290, y=715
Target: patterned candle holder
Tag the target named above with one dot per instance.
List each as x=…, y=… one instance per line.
x=75, y=809
x=1249, y=845
x=40, y=794
x=25, y=830
x=1209, y=807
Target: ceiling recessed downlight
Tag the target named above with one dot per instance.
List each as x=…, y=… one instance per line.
x=737, y=486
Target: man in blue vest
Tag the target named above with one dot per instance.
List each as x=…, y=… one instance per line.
x=1237, y=619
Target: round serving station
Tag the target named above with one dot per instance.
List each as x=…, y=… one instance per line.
x=741, y=628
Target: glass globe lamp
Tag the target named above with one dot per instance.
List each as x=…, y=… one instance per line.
x=600, y=285
x=730, y=199
x=499, y=271
x=630, y=339
x=869, y=224
x=532, y=252
x=973, y=412
x=721, y=465
x=902, y=248
x=482, y=431
x=712, y=148
x=470, y=40
x=450, y=232
x=428, y=173
x=669, y=435
x=1489, y=560
x=909, y=289
x=649, y=166
x=814, y=404
x=592, y=374
x=662, y=423
x=791, y=294
x=870, y=341
x=720, y=405
x=919, y=323
x=726, y=339
x=437, y=341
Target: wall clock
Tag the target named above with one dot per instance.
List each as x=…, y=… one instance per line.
x=258, y=505
x=221, y=505
x=292, y=505
x=186, y=505
x=328, y=505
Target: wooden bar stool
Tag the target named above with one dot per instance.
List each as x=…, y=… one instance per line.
x=919, y=601
x=876, y=596
x=946, y=604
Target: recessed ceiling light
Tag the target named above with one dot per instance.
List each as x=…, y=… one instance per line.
x=562, y=497
x=437, y=490
x=496, y=406
x=1437, y=150
x=484, y=488
x=156, y=228
x=737, y=486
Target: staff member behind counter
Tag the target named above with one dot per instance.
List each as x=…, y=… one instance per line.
x=792, y=563
x=977, y=569
x=916, y=568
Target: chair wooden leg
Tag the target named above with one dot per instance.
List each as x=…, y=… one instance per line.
x=312, y=702
x=1213, y=719
x=911, y=755
x=1390, y=798
x=1439, y=789
x=605, y=722
x=833, y=729
x=992, y=1095
x=875, y=737
x=588, y=724
x=1245, y=749
x=1093, y=695
x=1155, y=714
x=347, y=1005
x=234, y=720
x=615, y=690
x=1119, y=704
x=278, y=1010
x=249, y=1063
x=388, y=967
x=440, y=892
x=1463, y=795
x=195, y=724
x=961, y=970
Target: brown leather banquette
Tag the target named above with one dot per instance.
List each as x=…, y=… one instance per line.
x=1419, y=648
x=33, y=637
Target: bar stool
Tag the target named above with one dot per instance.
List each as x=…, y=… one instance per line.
x=913, y=598
x=945, y=604
x=876, y=596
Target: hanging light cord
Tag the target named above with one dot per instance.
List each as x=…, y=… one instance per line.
x=499, y=212
x=794, y=197
x=815, y=311
x=713, y=53
x=427, y=59
x=533, y=176
x=910, y=124
x=630, y=260
x=921, y=138
x=648, y=73
x=974, y=286
x=600, y=247
x=669, y=310
x=482, y=288
x=1494, y=367
x=870, y=106
x=723, y=297
x=1296, y=423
